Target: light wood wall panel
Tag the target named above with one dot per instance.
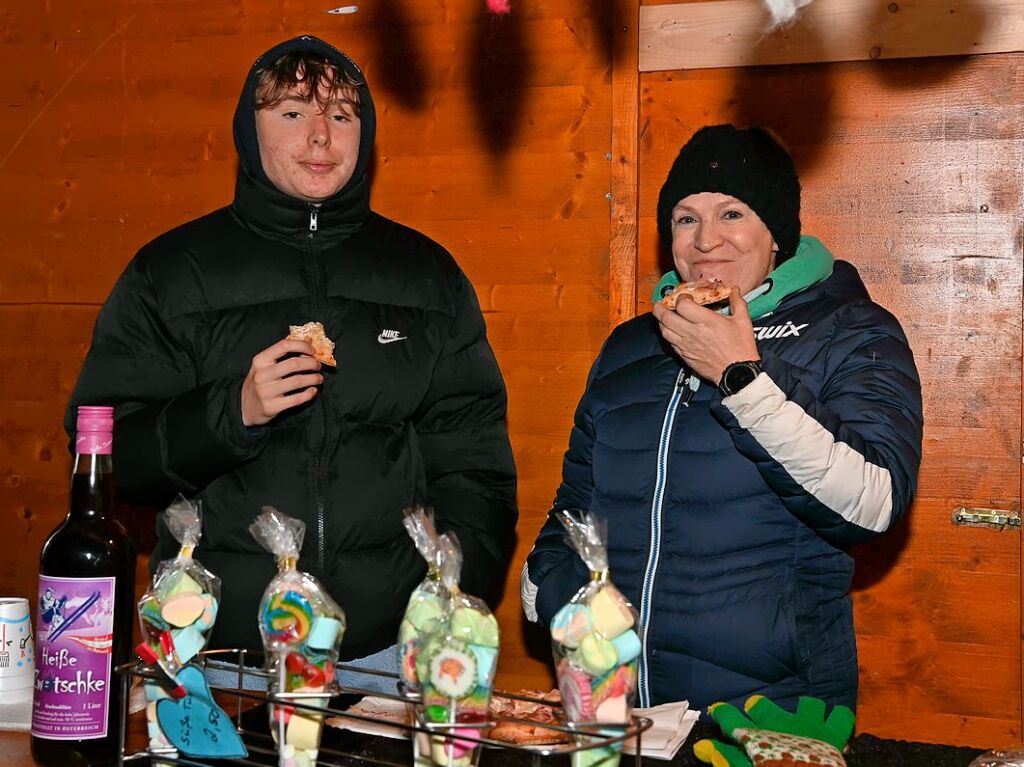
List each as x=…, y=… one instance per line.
x=492, y=138
x=733, y=33
x=914, y=172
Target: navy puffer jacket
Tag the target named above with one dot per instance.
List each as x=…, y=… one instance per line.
x=729, y=520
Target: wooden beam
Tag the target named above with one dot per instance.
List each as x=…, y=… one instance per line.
x=1020, y=547
x=731, y=33
x=622, y=244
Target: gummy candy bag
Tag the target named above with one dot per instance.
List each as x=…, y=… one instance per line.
x=456, y=666
x=595, y=645
x=302, y=628
x=426, y=603
x=176, y=613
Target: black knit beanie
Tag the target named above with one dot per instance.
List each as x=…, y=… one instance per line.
x=749, y=165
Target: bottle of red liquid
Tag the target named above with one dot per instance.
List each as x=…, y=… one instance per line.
x=85, y=613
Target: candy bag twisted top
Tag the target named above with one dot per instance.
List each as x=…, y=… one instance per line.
x=595, y=643
x=426, y=603
x=302, y=628
x=179, y=608
x=456, y=663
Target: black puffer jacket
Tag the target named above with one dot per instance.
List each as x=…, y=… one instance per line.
x=414, y=413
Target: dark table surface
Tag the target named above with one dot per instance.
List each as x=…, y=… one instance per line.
x=865, y=751
x=364, y=750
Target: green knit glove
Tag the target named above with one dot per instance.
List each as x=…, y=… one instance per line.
x=719, y=754
x=808, y=722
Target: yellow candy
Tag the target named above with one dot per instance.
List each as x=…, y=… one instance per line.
x=182, y=610
x=611, y=613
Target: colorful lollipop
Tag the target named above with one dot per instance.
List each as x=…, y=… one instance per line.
x=287, y=617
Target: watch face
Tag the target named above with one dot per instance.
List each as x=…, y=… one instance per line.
x=738, y=376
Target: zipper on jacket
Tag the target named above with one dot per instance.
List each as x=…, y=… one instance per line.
x=317, y=279
x=682, y=393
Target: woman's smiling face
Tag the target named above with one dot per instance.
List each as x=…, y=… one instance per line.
x=716, y=236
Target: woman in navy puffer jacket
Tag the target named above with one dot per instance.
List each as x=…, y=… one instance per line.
x=737, y=456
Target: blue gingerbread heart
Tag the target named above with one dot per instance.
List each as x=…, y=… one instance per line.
x=197, y=726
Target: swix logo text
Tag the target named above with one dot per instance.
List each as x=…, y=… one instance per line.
x=779, y=331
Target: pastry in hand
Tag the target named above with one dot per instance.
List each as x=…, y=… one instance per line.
x=702, y=292
x=313, y=333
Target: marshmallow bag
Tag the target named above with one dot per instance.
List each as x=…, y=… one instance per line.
x=176, y=613
x=456, y=666
x=426, y=604
x=302, y=628
x=595, y=645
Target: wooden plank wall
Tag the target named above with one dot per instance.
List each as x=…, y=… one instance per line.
x=493, y=134
x=912, y=170
x=731, y=33
x=494, y=138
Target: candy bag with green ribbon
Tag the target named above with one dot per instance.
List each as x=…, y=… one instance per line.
x=302, y=628
x=426, y=603
x=456, y=666
x=595, y=645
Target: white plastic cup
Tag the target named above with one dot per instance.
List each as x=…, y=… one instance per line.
x=17, y=650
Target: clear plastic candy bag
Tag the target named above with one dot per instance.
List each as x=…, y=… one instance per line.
x=456, y=666
x=1000, y=757
x=424, y=610
x=595, y=645
x=176, y=613
x=302, y=628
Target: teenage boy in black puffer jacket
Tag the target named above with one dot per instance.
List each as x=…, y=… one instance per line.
x=213, y=403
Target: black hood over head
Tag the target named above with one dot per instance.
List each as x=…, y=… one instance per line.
x=265, y=207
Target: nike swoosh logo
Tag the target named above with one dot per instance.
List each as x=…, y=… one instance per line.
x=382, y=340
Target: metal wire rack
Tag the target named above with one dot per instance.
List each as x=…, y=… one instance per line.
x=251, y=691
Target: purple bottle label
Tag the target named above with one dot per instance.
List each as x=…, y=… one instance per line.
x=74, y=641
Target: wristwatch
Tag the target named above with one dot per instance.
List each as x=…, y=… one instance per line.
x=738, y=375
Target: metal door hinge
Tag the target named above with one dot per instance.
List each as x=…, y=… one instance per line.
x=994, y=518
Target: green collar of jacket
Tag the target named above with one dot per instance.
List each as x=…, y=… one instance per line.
x=811, y=264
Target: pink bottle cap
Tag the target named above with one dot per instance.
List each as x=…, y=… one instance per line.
x=95, y=433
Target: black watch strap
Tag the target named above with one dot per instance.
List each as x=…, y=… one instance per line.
x=738, y=376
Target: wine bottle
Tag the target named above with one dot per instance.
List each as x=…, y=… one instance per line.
x=86, y=608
